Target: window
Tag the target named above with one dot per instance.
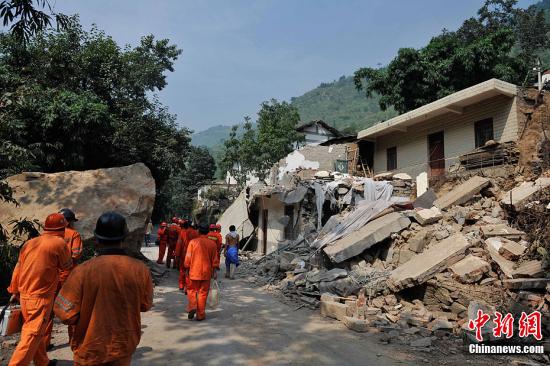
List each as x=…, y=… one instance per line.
x=391, y=158
x=484, y=131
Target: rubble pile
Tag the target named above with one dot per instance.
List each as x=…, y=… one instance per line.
x=419, y=270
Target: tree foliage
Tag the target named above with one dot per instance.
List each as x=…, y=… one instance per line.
x=76, y=100
x=501, y=42
x=27, y=20
x=255, y=151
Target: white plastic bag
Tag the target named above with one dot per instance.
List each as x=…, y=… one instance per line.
x=213, y=299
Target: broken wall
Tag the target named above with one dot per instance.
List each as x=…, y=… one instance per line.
x=272, y=232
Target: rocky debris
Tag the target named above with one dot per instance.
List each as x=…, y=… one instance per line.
x=520, y=195
x=425, y=200
x=419, y=240
x=129, y=190
x=429, y=262
x=510, y=249
x=526, y=283
x=427, y=216
x=532, y=268
x=357, y=325
x=470, y=269
x=463, y=193
x=370, y=234
x=501, y=230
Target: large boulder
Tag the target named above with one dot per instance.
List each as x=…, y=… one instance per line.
x=129, y=190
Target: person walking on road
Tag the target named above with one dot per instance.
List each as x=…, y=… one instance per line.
x=162, y=237
x=34, y=283
x=231, y=252
x=103, y=299
x=148, y=233
x=202, y=263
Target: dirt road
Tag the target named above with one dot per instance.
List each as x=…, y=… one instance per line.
x=249, y=328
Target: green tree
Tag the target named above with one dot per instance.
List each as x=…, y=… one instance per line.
x=257, y=149
x=75, y=100
x=27, y=20
x=480, y=49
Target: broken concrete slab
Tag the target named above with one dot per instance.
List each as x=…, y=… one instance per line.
x=463, y=193
x=470, y=269
x=334, y=310
x=427, y=216
x=511, y=250
x=526, y=283
x=502, y=230
x=532, y=268
x=519, y=196
x=333, y=275
x=373, y=232
x=426, y=200
x=421, y=267
x=237, y=214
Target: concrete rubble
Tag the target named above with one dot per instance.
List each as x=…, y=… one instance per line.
x=410, y=269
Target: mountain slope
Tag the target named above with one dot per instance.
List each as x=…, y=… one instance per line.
x=341, y=105
x=211, y=137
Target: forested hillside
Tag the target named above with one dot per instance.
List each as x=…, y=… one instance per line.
x=341, y=105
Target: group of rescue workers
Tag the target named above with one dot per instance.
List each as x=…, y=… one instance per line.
x=48, y=281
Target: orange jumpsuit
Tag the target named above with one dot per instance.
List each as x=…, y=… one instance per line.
x=35, y=278
x=186, y=235
x=103, y=299
x=74, y=244
x=162, y=235
x=217, y=238
x=201, y=260
x=173, y=235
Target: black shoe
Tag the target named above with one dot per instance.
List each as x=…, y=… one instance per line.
x=191, y=314
x=52, y=362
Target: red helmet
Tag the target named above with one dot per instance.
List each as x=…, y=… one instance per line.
x=174, y=219
x=163, y=224
x=55, y=221
x=180, y=222
x=212, y=226
x=218, y=226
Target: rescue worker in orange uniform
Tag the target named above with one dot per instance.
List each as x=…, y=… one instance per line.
x=186, y=235
x=74, y=244
x=34, y=282
x=202, y=263
x=216, y=237
x=173, y=235
x=162, y=236
x=103, y=299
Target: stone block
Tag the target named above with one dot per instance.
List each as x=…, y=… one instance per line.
x=470, y=269
x=427, y=216
x=357, y=325
x=521, y=194
x=419, y=240
x=334, y=310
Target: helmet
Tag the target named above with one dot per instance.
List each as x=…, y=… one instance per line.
x=69, y=214
x=212, y=226
x=203, y=229
x=180, y=222
x=218, y=226
x=163, y=224
x=174, y=219
x=54, y=222
x=111, y=226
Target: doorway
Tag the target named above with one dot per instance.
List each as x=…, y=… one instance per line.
x=264, y=231
x=436, y=154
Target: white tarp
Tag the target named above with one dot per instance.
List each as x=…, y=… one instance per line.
x=237, y=214
x=354, y=220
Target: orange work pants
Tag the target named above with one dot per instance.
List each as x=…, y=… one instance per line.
x=196, y=297
x=171, y=255
x=36, y=313
x=126, y=361
x=162, y=251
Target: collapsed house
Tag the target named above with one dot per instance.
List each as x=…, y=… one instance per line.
x=373, y=254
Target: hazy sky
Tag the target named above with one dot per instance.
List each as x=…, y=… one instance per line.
x=238, y=53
